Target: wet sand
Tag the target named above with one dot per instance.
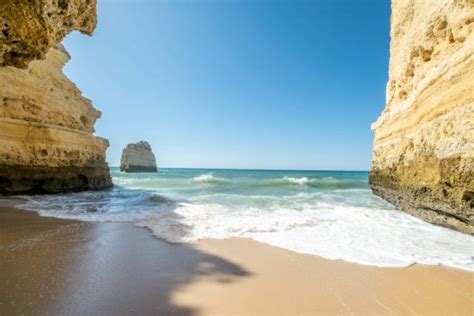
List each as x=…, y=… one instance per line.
x=54, y=266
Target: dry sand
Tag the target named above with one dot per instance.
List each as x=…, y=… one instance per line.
x=53, y=266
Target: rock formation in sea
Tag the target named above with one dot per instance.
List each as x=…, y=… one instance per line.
x=423, y=155
x=47, y=141
x=138, y=157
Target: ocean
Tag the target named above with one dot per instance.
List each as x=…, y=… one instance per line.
x=332, y=214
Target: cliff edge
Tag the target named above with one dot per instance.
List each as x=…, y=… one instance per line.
x=423, y=153
x=47, y=141
x=138, y=157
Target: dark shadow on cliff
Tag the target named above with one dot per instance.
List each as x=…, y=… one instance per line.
x=76, y=268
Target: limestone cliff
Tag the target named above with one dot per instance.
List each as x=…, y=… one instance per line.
x=46, y=131
x=138, y=157
x=46, y=126
x=29, y=28
x=423, y=155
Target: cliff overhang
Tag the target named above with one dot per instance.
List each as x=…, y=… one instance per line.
x=47, y=141
x=29, y=28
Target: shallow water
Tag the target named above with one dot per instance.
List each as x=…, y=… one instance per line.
x=332, y=214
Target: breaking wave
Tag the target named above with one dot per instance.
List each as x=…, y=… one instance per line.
x=209, y=178
x=333, y=215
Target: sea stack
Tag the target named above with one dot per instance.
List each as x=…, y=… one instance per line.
x=138, y=157
x=423, y=155
x=47, y=141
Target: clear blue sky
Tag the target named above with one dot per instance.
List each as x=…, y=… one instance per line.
x=238, y=84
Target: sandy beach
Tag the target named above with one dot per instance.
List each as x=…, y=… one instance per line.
x=236, y=157
x=55, y=266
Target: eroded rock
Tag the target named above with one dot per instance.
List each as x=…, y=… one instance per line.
x=423, y=155
x=46, y=126
x=138, y=157
x=29, y=28
x=46, y=131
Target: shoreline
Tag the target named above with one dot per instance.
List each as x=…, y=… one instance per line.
x=66, y=266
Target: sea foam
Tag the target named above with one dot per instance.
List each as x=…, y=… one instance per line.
x=384, y=238
x=208, y=178
x=331, y=215
x=299, y=181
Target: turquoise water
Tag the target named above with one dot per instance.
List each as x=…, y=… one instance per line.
x=327, y=213
x=245, y=187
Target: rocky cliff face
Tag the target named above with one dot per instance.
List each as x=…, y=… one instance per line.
x=29, y=28
x=138, y=157
x=46, y=131
x=423, y=155
x=46, y=126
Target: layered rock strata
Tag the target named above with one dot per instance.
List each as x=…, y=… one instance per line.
x=46, y=126
x=423, y=155
x=46, y=131
x=138, y=157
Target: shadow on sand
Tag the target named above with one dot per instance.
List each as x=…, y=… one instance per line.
x=52, y=266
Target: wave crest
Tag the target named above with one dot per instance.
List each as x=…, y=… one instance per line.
x=292, y=180
x=208, y=178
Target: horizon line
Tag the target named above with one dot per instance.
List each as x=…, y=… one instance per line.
x=254, y=169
